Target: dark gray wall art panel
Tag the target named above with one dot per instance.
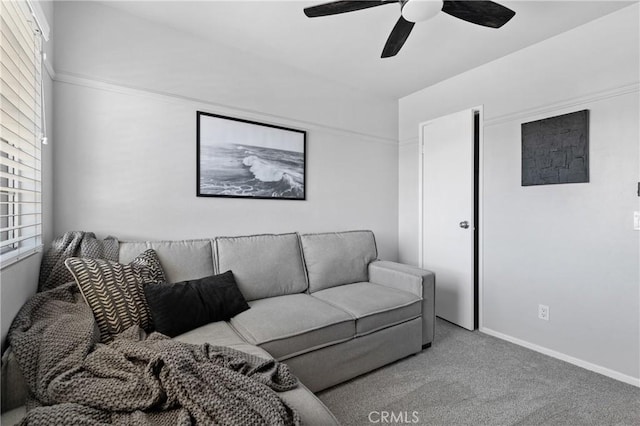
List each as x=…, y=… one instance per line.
x=556, y=149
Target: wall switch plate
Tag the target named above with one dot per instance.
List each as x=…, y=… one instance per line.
x=636, y=221
x=543, y=312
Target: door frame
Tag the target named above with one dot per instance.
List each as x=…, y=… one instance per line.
x=479, y=255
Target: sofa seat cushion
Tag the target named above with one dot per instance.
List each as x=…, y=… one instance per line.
x=286, y=326
x=373, y=306
x=218, y=333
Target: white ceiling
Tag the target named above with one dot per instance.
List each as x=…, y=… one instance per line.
x=346, y=48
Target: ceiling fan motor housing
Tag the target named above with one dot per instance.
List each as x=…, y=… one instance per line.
x=420, y=10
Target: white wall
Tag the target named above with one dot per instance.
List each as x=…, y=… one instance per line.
x=105, y=44
x=126, y=95
x=20, y=280
x=570, y=246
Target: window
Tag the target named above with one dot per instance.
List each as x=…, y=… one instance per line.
x=20, y=133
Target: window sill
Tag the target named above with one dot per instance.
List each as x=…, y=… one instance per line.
x=20, y=257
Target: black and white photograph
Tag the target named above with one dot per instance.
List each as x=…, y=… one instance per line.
x=246, y=159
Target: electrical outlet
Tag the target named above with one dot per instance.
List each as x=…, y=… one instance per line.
x=543, y=312
x=636, y=221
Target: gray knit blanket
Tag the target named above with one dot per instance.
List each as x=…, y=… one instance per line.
x=137, y=379
x=53, y=271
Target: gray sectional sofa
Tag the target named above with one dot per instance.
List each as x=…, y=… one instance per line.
x=321, y=303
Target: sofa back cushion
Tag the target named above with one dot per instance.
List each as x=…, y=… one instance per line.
x=337, y=258
x=263, y=265
x=181, y=260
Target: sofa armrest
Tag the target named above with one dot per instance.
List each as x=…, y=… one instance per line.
x=414, y=280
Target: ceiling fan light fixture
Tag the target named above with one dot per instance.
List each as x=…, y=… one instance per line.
x=480, y=12
x=420, y=10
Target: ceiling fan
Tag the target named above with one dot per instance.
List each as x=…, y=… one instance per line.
x=485, y=13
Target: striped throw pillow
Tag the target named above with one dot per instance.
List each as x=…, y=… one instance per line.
x=115, y=292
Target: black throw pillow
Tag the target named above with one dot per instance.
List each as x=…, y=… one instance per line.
x=180, y=307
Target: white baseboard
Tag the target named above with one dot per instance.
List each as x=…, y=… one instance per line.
x=634, y=381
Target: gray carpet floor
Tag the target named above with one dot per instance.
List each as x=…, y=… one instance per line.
x=470, y=378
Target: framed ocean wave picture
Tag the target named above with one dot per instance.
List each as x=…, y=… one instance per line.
x=245, y=159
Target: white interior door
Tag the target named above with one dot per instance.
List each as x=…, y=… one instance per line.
x=447, y=213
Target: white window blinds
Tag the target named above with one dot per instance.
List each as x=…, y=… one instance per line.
x=20, y=133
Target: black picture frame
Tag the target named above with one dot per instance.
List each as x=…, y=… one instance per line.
x=238, y=158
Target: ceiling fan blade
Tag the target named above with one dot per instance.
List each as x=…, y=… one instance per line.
x=336, y=7
x=486, y=13
x=398, y=36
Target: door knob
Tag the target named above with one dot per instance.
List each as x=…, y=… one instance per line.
x=464, y=224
